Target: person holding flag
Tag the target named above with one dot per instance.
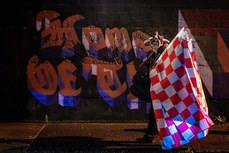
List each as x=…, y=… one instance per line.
x=177, y=95
x=141, y=84
x=179, y=111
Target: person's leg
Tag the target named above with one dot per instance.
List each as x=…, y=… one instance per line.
x=151, y=129
x=152, y=125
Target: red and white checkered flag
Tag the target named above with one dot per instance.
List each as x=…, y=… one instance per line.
x=177, y=95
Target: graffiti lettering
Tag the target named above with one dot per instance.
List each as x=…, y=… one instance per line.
x=109, y=85
x=92, y=37
x=42, y=77
x=55, y=34
x=68, y=94
x=50, y=19
x=118, y=38
x=93, y=40
x=132, y=101
x=42, y=80
x=140, y=49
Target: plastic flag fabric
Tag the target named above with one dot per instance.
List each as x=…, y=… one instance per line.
x=177, y=95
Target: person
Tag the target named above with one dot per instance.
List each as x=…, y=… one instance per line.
x=141, y=84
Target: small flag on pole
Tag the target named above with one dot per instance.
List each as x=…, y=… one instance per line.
x=177, y=95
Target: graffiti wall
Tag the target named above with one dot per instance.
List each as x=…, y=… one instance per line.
x=79, y=61
x=75, y=61
x=108, y=56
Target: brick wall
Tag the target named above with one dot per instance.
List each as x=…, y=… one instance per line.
x=208, y=22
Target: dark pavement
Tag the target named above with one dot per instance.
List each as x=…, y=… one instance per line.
x=97, y=137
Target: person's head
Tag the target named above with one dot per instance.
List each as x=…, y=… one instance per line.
x=156, y=41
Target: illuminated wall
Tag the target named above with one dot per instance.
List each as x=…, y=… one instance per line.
x=209, y=28
x=76, y=60
x=79, y=63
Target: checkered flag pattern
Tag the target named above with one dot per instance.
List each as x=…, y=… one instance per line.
x=178, y=99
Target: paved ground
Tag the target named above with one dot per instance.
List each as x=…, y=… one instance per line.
x=97, y=137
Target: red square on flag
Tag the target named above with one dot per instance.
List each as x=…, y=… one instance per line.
x=154, y=79
x=188, y=101
x=175, y=42
x=198, y=116
x=165, y=55
x=188, y=87
x=161, y=67
x=188, y=63
x=158, y=113
x=172, y=56
x=178, y=85
x=165, y=83
x=169, y=69
x=173, y=112
x=162, y=96
x=181, y=58
x=180, y=71
x=175, y=99
x=185, y=113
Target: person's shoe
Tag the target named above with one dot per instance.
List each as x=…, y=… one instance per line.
x=145, y=139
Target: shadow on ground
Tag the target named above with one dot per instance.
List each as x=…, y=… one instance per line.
x=219, y=132
x=91, y=144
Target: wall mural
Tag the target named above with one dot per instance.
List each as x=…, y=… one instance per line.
x=71, y=52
